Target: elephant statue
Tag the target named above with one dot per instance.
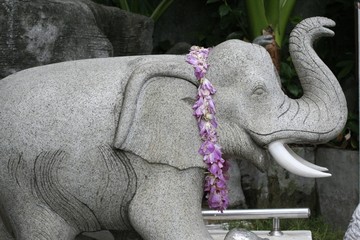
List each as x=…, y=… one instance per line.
x=112, y=143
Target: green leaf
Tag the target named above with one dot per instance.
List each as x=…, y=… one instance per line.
x=353, y=126
x=345, y=68
x=294, y=90
x=272, y=11
x=354, y=144
x=160, y=9
x=257, y=17
x=224, y=10
x=344, y=63
x=286, y=8
x=212, y=1
x=286, y=71
x=124, y=5
x=344, y=72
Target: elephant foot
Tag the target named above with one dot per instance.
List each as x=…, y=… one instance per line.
x=167, y=203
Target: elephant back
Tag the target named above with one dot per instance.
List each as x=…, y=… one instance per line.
x=66, y=105
x=79, y=105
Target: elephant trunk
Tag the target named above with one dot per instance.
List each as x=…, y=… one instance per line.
x=321, y=113
x=322, y=110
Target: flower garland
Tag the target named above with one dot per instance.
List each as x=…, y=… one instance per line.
x=204, y=111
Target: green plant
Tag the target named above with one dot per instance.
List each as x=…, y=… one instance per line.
x=260, y=15
x=273, y=13
x=289, y=78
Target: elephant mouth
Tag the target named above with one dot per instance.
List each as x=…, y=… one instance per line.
x=292, y=162
x=276, y=144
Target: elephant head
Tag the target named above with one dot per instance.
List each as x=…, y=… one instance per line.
x=253, y=112
x=264, y=115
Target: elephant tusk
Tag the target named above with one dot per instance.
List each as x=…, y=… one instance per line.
x=303, y=161
x=290, y=163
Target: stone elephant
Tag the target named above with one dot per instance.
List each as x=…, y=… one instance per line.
x=112, y=143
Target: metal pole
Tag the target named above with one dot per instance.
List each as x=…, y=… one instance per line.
x=276, y=231
x=246, y=214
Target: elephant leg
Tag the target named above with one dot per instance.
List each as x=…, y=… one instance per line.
x=167, y=204
x=83, y=237
x=126, y=235
x=31, y=221
x=4, y=233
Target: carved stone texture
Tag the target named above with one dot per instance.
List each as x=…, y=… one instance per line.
x=242, y=234
x=4, y=233
x=40, y=32
x=353, y=231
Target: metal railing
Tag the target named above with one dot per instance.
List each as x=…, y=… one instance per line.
x=248, y=214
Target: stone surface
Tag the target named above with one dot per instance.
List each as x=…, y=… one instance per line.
x=92, y=236
x=40, y=32
x=111, y=143
x=101, y=235
x=241, y=234
x=111, y=235
x=353, y=230
x=339, y=194
x=288, y=235
x=4, y=233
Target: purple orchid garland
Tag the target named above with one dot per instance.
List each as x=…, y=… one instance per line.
x=204, y=111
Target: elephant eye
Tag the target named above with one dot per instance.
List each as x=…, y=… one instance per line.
x=259, y=90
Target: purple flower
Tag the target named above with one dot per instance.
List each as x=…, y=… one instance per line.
x=199, y=107
x=218, y=199
x=207, y=130
x=209, y=182
x=206, y=148
x=200, y=71
x=197, y=58
x=215, y=184
x=211, y=154
x=207, y=87
x=209, y=103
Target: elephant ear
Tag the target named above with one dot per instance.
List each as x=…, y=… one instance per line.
x=156, y=121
